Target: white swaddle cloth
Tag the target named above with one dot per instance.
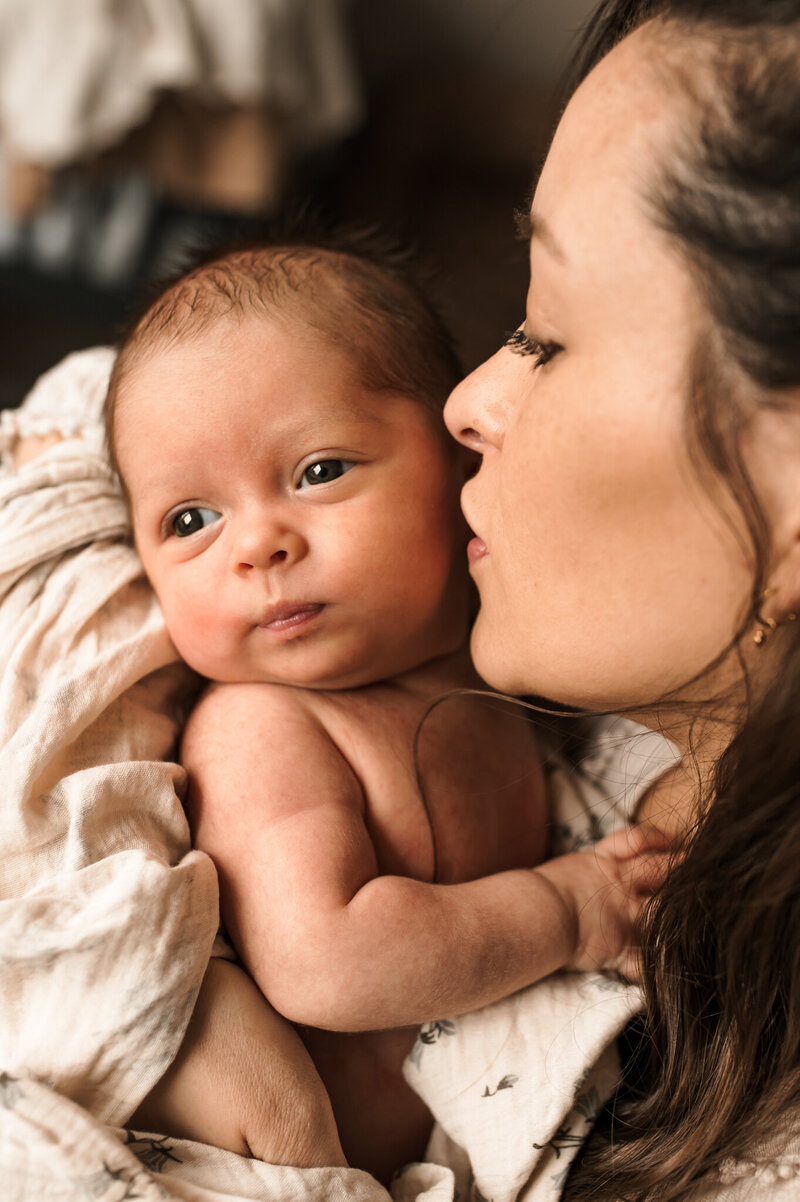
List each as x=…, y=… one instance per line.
x=107, y=917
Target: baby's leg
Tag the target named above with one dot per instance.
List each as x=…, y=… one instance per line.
x=243, y=1080
x=382, y=1123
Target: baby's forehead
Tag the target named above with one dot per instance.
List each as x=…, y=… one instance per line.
x=309, y=304
x=268, y=343
x=276, y=373
x=164, y=356
x=359, y=317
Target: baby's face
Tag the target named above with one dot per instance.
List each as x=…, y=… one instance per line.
x=296, y=527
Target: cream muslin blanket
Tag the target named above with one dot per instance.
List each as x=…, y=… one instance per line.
x=108, y=917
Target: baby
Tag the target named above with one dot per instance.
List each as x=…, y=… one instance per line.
x=275, y=418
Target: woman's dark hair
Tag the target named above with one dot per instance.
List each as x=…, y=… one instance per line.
x=718, y=1067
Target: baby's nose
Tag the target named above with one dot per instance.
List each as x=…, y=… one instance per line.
x=262, y=547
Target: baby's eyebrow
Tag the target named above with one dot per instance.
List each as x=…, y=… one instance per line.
x=329, y=424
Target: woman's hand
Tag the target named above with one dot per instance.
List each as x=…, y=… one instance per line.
x=604, y=890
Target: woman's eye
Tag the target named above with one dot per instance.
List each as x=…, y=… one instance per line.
x=520, y=343
x=323, y=471
x=189, y=521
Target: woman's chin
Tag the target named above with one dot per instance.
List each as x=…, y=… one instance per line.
x=493, y=662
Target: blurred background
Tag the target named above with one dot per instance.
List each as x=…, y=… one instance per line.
x=129, y=128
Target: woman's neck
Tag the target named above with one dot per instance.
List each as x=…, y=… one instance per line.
x=673, y=803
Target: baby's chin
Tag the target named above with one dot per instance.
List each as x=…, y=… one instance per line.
x=333, y=677
x=351, y=679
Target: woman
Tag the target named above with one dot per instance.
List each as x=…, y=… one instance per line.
x=637, y=521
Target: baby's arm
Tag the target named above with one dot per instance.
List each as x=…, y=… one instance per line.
x=333, y=943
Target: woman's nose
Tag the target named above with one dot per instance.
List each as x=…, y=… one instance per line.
x=476, y=412
x=261, y=545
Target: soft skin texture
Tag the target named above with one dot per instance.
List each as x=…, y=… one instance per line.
x=354, y=592
x=307, y=801
x=243, y=1081
x=281, y=545
x=594, y=525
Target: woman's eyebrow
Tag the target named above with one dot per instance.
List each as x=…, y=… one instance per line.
x=530, y=225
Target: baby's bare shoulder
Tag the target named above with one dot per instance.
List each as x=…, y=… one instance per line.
x=261, y=770
x=248, y=703
x=245, y=724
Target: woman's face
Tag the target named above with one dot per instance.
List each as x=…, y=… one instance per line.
x=607, y=574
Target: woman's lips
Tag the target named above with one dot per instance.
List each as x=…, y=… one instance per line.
x=476, y=549
x=292, y=616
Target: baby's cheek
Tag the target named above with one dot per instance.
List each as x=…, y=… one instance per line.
x=203, y=636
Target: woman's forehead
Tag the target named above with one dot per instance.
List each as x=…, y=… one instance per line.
x=606, y=148
x=602, y=265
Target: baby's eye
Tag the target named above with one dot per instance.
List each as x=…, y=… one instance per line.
x=189, y=521
x=323, y=471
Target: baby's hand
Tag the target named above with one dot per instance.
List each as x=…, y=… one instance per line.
x=33, y=446
x=604, y=890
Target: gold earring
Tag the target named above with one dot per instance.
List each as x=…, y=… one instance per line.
x=767, y=625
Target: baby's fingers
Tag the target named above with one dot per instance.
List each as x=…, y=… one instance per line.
x=629, y=965
x=646, y=874
x=633, y=841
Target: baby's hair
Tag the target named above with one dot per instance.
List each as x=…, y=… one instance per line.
x=351, y=288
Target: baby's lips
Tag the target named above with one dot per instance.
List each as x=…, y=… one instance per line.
x=290, y=614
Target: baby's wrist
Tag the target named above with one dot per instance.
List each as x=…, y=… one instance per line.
x=554, y=875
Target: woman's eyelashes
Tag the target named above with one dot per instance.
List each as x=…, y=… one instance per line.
x=520, y=343
x=323, y=471
x=191, y=520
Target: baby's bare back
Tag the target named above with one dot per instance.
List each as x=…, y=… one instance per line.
x=357, y=817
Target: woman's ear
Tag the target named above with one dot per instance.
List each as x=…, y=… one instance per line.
x=782, y=596
x=774, y=458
